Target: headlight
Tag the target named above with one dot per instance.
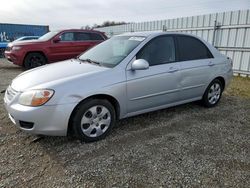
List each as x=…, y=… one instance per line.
x=15, y=48
x=35, y=97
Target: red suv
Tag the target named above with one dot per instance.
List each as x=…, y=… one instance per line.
x=52, y=47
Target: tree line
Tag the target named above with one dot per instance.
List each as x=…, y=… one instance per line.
x=104, y=24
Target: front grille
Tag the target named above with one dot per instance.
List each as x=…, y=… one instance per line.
x=11, y=93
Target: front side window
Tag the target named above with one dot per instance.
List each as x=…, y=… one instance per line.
x=191, y=48
x=158, y=51
x=112, y=51
x=69, y=36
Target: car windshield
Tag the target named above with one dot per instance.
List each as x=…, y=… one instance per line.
x=48, y=35
x=111, y=52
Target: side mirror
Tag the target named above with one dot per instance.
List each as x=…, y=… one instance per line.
x=140, y=64
x=56, y=39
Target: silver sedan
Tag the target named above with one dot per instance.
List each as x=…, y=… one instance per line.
x=127, y=75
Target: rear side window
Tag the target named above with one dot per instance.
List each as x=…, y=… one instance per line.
x=192, y=49
x=158, y=51
x=80, y=36
x=96, y=36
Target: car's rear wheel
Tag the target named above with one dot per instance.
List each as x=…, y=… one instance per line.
x=93, y=120
x=33, y=60
x=2, y=52
x=213, y=93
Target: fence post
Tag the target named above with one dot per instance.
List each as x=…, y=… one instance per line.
x=132, y=28
x=164, y=28
x=214, y=32
x=216, y=27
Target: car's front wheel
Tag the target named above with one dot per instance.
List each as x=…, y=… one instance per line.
x=213, y=93
x=93, y=120
x=33, y=60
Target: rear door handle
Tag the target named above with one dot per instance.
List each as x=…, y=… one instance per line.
x=211, y=64
x=173, y=69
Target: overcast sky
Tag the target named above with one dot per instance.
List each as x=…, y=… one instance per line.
x=76, y=13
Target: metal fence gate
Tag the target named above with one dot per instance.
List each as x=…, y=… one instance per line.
x=227, y=31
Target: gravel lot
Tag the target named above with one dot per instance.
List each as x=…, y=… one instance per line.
x=184, y=146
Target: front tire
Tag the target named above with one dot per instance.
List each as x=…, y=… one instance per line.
x=212, y=94
x=33, y=60
x=93, y=120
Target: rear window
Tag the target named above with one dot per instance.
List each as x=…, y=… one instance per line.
x=191, y=48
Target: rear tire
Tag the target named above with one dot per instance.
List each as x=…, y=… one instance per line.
x=212, y=94
x=93, y=120
x=2, y=52
x=33, y=60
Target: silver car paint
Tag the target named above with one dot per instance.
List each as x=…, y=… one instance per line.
x=136, y=91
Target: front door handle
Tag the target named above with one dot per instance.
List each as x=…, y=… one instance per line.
x=211, y=64
x=173, y=69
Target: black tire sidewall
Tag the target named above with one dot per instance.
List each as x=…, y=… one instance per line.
x=81, y=109
x=28, y=64
x=205, y=96
x=2, y=52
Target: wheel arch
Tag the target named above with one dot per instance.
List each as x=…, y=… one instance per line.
x=36, y=51
x=222, y=80
x=110, y=98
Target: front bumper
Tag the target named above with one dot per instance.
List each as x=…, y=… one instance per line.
x=14, y=58
x=47, y=120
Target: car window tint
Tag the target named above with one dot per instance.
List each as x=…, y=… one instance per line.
x=158, y=51
x=80, y=36
x=67, y=36
x=95, y=36
x=191, y=49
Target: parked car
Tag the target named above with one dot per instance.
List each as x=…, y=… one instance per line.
x=3, y=45
x=52, y=47
x=27, y=38
x=127, y=75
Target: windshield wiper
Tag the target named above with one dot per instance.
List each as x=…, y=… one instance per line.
x=90, y=61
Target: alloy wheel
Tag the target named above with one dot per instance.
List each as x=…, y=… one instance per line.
x=214, y=93
x=95, y=121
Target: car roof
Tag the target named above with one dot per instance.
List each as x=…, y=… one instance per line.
x=84, y=30
x=153, y=34
x=28, y=37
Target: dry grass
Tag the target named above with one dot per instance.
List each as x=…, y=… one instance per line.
x=239, y=86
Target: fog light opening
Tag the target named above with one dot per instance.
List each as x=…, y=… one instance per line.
x=26, y=125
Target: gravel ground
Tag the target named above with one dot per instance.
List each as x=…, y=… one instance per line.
x=184, y=146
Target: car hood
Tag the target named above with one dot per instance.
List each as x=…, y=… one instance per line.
x=25, y=42
x=54, y=72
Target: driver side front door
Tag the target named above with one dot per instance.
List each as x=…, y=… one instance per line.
x=160, y=84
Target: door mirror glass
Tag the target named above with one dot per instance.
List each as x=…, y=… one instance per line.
x=140, y=64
